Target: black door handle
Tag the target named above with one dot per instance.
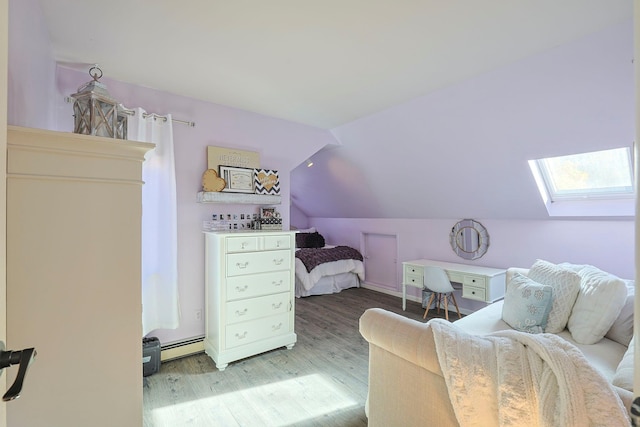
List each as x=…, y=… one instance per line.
x=24, y=358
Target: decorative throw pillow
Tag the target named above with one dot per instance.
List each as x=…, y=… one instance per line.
x=309, y=240
x=623, y=377
x=601, y=297
x=565, y=284
x=316, y=240
x=622, y=329
x=301, y=240
x=526, y=304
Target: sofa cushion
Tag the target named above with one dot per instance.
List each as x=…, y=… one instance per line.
x=527, y=304
x=623, y=377
x=600, y=300
x=565, y=284
x=622, y=329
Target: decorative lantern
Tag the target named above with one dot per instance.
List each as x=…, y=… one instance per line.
x=95, y=112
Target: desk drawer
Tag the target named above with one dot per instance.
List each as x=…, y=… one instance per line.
x=413, y=275
x=258, y=262
x=478, y=281
x=414, y=270
x=473, y=292
x=413, y=280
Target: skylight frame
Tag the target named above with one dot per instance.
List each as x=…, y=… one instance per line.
x=603, y=205
x=551, y=177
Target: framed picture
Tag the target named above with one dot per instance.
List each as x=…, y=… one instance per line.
x=239, y=180
x=266, y=181
x=268, y=212
x=221, y=156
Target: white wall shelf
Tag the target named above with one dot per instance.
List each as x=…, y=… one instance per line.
x=238, y=198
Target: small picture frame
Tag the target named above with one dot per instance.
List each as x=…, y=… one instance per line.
x=267, y=212
x=239, y=180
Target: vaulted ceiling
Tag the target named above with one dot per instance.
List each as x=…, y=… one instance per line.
x=436, y=106
x=322, y=63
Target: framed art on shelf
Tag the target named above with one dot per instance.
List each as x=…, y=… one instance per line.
x=238, y=180
x=266, y=181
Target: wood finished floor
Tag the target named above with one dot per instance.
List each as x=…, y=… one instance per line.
x=322, y=381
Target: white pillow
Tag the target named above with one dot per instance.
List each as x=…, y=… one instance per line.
x=622, y=329
x=598, y=305
x=623, y=377
x=565, y=284
x=306, y=230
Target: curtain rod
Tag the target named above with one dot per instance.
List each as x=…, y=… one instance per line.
x=158, y=116
x=130, y=112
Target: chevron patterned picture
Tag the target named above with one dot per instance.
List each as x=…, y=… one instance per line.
x=266, y=181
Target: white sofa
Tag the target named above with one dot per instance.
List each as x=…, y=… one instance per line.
x=406, y=383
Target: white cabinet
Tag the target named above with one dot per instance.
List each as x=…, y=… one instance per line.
x=249, y=293
x=74, y=208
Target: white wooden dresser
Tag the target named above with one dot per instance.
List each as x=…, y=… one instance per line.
x=249, y=293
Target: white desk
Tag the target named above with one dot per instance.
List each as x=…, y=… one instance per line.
x=478, y=283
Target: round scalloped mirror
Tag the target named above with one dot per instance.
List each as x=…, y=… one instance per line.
x=469, y=239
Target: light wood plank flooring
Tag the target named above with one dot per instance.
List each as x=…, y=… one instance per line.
x=322, y=381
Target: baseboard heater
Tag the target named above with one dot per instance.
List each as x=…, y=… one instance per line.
x=182, y=349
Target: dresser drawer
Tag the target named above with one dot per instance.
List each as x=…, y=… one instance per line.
x=254, y=308
x=242, y=244
x=277, y=242
x=473, y=292
x=258, y=262
x=255, y=330
x=258, y=284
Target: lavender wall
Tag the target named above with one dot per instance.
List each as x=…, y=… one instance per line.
x=31, y=67
x=608, y=245
x=282, y=146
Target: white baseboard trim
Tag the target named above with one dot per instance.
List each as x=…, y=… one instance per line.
x=182, y=349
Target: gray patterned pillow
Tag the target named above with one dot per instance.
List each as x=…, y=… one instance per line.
x=526, y=304
x=565, y=284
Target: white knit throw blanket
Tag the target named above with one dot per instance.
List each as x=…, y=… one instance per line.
x=515, y=379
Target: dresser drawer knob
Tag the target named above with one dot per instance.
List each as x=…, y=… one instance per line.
x=276, y=327
x=241, y=337
x=242, y=266
x=277, y=283
x=276, y=306
x=242, y=289
x=278, y=261
x=244, y=245
x=241, y=313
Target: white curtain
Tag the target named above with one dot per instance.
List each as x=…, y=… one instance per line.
x=160, y=307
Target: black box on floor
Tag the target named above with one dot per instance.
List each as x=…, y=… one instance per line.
x=150, y=356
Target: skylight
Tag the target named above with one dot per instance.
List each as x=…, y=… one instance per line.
x=602, y=180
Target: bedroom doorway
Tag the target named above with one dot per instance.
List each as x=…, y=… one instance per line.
x=380, y=252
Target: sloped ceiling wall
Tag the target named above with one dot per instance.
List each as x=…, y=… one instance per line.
x=462, y=151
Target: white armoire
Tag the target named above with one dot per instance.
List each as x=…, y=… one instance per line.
x=73, y=277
